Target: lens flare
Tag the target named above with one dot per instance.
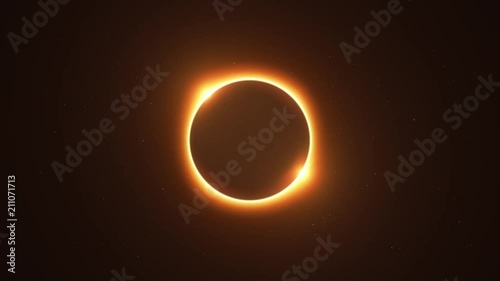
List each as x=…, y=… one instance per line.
x=206, y=89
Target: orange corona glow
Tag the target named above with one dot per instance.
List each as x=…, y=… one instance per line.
x=208, y=87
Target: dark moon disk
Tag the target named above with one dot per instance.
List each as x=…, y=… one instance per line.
x=249, y=140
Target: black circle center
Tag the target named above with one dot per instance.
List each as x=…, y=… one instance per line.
x=249, y=140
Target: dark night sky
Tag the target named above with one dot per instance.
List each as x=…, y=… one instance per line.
x=119, y=208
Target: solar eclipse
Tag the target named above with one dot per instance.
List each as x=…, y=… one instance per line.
x=249, y=140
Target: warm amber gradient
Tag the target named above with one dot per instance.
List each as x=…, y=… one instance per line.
x=209, y=86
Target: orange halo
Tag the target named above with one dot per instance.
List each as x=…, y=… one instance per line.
x=208, y=88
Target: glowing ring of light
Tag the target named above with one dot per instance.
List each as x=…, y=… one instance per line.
x=208, y=89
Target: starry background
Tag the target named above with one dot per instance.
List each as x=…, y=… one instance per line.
x=119, y=208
